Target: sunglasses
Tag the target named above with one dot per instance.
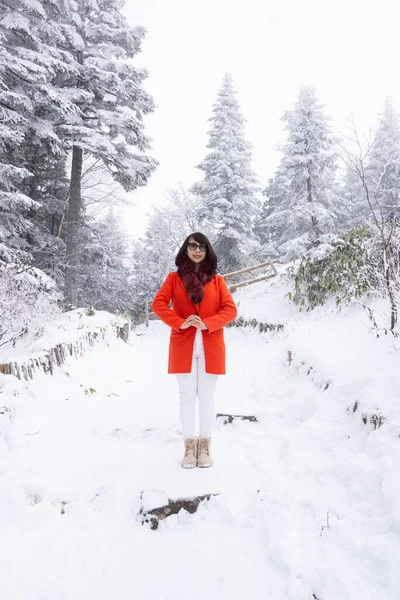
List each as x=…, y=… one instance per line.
x=193, y=246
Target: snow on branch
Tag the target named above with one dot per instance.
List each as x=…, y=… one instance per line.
x=27, y=299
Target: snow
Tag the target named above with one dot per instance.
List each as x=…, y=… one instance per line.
x=64, y=328
x=307, y=500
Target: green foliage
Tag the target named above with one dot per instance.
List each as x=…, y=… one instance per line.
x=89, y=392
x=90, y=311
x=345, y=270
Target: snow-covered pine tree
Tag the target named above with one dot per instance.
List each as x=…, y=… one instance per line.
x=102, y=272
x=48, y=185
x=65, y=82
x=228, y=191
x=382, y=172
x=353, y=194
x=304, y=204
x=34, y=66
x=271, y=230
x=150, y=262
x=110, y=102
x=21, y=68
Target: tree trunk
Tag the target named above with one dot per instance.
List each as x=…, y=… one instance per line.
x=146, y=309
x=73, y=229
x=315, y=234
x=389, y=288
x=62, y=218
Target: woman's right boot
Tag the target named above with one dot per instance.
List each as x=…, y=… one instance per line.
x=189, y=461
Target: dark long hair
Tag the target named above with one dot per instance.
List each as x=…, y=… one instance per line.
x=210, y=262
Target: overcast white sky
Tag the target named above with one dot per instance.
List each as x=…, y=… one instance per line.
x=347, y=49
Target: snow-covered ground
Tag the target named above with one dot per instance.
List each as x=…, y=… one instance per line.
x=307, y=500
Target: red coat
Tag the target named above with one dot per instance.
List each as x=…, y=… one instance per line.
x=216, y=310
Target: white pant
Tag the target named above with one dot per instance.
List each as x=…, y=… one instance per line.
x=201, y=385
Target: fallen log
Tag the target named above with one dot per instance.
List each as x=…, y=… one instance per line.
x=155, y=515
x=229, y=418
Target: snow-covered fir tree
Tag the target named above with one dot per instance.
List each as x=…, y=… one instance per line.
x=371, y=184
x=37, y=75
x=304, y=204
x=22, y=71
x=353, y=194
x=47, y=185
x=382, y=172
x=228, y=191
x=66, y=84
x=150, y=262
x=103, y=272
x=268, y=229
x=109, y=97
x=110, y=103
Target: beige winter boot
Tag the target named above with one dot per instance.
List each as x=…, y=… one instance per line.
x=203, y=455
x=189, y=460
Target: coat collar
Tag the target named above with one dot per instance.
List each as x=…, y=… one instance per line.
x=207, y=288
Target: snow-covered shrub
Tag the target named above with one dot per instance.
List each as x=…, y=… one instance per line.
x=28, y=299
x=349, y=268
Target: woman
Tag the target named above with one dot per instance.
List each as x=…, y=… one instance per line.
x=201, y=306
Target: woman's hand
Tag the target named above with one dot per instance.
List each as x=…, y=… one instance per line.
x=188, y=322
x=199, y=324
x=193, y=321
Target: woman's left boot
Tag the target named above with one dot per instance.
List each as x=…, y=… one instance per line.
x=203, y=455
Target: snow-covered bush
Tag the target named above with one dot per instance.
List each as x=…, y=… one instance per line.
x=349, y=268
x=28, y=299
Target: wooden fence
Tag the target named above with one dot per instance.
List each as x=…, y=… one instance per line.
x=270, y=263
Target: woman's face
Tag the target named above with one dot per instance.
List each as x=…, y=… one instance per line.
x=196, y=251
